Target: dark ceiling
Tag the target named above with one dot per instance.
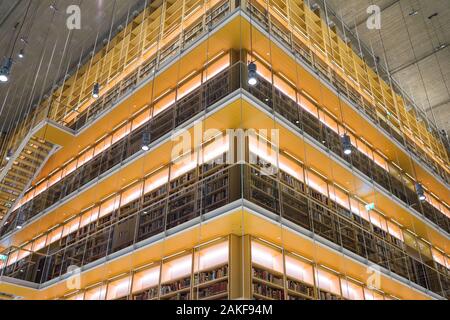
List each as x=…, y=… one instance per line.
x=414, y=40
x=51, y=49
x=409, y=43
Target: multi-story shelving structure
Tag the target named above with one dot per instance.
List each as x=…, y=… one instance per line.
x=91, y=214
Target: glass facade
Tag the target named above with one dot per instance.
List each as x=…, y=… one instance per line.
x=273, y=149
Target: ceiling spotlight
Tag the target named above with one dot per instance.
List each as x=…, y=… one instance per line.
x=5, y=70
x=420, y=191
x=252, y=76
x=145, y=141
x=96, y=91
x=21, y=54
x=346, y=144
x=442, y=46
x=9, y=155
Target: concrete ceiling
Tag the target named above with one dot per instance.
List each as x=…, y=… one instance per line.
x=410, y=45
x=51, y=49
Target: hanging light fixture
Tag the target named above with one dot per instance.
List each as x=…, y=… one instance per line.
x=420, y=191
x=20, y=221
x=441, y=46
x=5, y=70
x=96, y=91
x=145, y=141
x=346, y=144
x=9, y=155
x=21, y=54
x=252, y=76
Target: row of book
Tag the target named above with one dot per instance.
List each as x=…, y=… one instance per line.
x=267, y=291
x=206, y=276
x=175, y=286
x=213, y=290
x=267, y=276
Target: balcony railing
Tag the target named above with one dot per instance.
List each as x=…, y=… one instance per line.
x=211, y=186
x=70, y=116
x=310, y=56
x=212, y=91
x=173, y=117
x=195, y=31
x=312, y=126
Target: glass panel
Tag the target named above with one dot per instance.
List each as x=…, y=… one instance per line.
x=131, y=194
x=163, y=103
x=189, y=86
x=55, y=235
x=438, y=257
x=156, y=180
x=351, y=290
x=142, y=118
x=78, y=297
x=39, y=243
x=109, y=206
x=328, y=281
x=102, y=145
x=146, y=279
x=71, y=226
x=211, y=257
x=54, y=178
x=267, y=257
x=71, y=167
x=372, y=295
x=89, y=217
x=217, y=66
x=176, y=269
x=317, y=183
x=299, y=270
x=97, y=293
x=395, y=230
x=119, y=288
x=85, y=156
x=120, y=133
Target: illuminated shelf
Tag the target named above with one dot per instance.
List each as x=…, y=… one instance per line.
x=147, y=294
x=211, y=275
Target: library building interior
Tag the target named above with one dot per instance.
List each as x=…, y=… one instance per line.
x=224, y=150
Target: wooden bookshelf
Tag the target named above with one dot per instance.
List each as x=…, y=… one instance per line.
x=299, y=278
x=146, y=283
x=326, y=295
x=212, y=271
x=178, y=289
x=212, y=284
x=147, y=294
x=267, y=284
x=298, y=290
x=263, y=190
